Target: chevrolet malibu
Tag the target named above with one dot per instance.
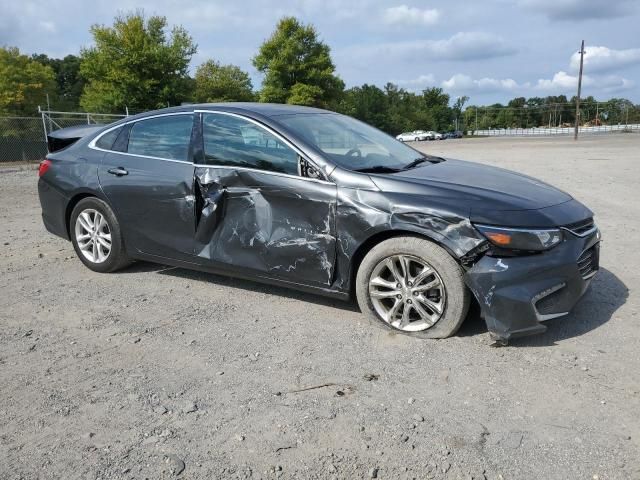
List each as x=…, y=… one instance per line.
x=317, y=201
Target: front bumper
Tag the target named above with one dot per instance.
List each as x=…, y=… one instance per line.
x=517, y=293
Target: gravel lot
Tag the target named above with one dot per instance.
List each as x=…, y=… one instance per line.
x=156, y=372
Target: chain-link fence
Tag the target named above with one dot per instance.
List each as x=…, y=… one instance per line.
x=52, y=120
x=23, y=139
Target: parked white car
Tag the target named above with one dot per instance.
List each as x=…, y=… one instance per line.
x=415, y=136
x=408, y=137
x=422, y=135
x=438, y=136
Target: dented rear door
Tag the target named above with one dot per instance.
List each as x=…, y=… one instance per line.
x=255, y=212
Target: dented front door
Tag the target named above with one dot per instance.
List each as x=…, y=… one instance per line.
x=266, y=223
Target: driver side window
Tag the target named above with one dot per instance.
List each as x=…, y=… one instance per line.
x=234, y=141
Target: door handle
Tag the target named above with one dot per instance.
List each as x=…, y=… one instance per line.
x=118, y=172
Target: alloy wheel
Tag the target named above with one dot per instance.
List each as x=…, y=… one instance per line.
x=93, y=235
x=407, y=293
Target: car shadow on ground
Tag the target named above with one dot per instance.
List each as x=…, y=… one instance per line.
x=250, y=285
x=606, y=294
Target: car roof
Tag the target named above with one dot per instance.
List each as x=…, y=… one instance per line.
x=263, y=109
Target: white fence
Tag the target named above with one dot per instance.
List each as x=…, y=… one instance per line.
x=539, y=131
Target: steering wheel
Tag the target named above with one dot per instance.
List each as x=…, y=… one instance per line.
x=354, y=152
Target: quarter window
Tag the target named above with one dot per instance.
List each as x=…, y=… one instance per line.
x=234, y=141
x=106, y=141
x=163, y=137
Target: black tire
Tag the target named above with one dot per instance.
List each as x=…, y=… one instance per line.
x=117, y=257
x=457, y=293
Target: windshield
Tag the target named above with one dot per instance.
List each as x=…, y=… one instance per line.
x=351, y=144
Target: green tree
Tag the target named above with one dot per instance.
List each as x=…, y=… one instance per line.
x=69, y=83
x=222, y=83
x=436, y=102
x=456, y=111
x=469, y=117
x=407, y=111
x=133, y=64
x=24, y=83
x=367, y=103
x=517, y=102
x=297, y=67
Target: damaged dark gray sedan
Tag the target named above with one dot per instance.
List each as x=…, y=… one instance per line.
x=318, y=201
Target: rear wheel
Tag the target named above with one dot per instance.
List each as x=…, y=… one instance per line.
x=412, y=286
x=96, y=237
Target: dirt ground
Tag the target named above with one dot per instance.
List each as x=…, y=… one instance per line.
x=157, y=372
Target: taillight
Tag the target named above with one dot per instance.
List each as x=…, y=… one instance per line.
x=44, y=166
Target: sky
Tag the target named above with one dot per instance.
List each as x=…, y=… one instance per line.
x=489, y=50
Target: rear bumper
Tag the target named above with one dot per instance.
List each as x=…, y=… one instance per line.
x=516, y=294
x=53, y=205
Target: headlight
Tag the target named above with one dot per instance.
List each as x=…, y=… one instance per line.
x=521, y=238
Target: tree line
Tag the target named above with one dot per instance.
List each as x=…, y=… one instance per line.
x=139, y=63
x=551, y=111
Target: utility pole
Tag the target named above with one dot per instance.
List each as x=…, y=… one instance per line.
x=575, y=132
x=626, y=120
x=476, y=131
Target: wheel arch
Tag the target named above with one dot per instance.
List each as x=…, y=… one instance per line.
x=74, y=200
x=378, y=237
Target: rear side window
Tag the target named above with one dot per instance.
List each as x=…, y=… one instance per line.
x=234, y=141
x=106, y=141
x=163, y=137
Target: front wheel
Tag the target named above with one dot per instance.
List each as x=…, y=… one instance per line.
x=412, y=286
x=96, y=236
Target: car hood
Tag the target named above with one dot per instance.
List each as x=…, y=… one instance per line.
x=500, y=189
x=489, y=194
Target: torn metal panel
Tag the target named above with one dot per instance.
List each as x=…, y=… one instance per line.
x=275, y=224
x=208, y=207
